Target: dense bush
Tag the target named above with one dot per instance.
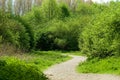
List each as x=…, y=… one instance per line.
x=101, y=37
x=60, y=36
x=29, y=30
x=14, y=31
x=46, y=41
x=85, y=9
x=40, y=17
x=16, y=70
x=64, y=11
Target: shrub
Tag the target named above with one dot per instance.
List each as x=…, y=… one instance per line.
x=46, y=41
x=60, y=35
x=101, y=37
x=60, y=43
x=64, y=11
x=30, y=37
x=15, y=31
x=16, y=70
x=49, y=9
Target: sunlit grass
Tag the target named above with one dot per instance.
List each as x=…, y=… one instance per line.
x=41, y=59
x=110, y=65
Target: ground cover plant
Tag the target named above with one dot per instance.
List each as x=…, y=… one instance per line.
x=109, y=65
x=13, y=68
x=45, y=59
x=17, y=66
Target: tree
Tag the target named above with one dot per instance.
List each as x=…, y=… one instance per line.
x=10, y=6
x=49, y=9
x=3, y=5
x=64, y=11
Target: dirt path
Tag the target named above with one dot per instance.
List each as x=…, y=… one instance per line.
x=66, y=71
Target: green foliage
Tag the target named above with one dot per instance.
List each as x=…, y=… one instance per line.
x=35, y=16
x=40, y=17
x=49, y=9
x=109, y=65
x=60, y=35
x=11, y=30
x=2, y=63
x=0, y=39
x=45, y=59
x=94, y=29
x=84, y=9
x=28, y=66
x=36, y=22
x=15, y=31
x=41, y=59
x=60, y=43
x=14, y=69
x=64, y=11
x=100, y=37
x=30, y=39
x=46, y=41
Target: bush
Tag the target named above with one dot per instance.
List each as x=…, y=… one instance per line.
x=17, y=70
x=46, y=41
x=29, y=30
x=60, y=35
x=64, y=11
x=15, y=32
x=101, y=37
x=60, y=43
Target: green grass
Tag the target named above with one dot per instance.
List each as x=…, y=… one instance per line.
x=29, y=66
x=45, y=59
x=41, y=59
x=110, y=65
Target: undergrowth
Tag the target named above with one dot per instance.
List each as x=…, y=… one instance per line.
x=109, y=65
x=14, y=69
x=28, y=66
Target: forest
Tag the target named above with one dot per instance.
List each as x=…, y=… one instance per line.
x=33, y=32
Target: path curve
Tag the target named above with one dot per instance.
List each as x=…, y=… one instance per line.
x=67, y=71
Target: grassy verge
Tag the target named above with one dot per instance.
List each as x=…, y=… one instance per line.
x=45, y=59
x=12, y=68
x=110, y=65
x=41, y=59
x=28, y=66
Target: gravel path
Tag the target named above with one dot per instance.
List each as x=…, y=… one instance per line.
x=66, y=71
